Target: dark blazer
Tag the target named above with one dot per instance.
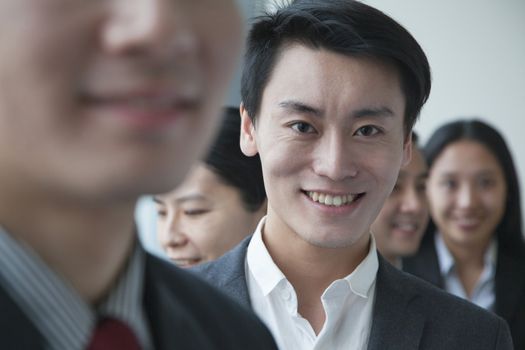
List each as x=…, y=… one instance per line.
x=408, y=313
x=184, y=313
x=509, y=284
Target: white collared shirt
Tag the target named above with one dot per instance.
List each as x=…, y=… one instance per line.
x=483, y=294
x=347, y=302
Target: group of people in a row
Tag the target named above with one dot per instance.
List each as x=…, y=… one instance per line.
x=103, y=101
x=472, y=248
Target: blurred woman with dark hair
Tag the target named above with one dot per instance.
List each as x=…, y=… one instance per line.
x=219, y=203
x=474, y=245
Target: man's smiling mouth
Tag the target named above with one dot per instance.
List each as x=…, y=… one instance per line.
x=333, y=200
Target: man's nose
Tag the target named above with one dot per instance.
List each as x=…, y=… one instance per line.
x=175, y=234
x=412, y=201
x=173, y=231
x=334, y=159
x=138, y=25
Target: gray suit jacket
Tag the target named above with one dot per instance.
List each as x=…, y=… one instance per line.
x=408, y=313
x=184, y=313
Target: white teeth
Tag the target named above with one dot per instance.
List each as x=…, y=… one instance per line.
x=331, y=200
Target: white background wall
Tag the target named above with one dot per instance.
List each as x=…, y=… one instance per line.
x=476, y=50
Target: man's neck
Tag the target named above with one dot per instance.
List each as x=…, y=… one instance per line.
x=86, y=245
x=311, y=269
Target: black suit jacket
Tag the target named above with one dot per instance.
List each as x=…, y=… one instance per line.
x=510, y=283
x=408, y=313
x=183, y=313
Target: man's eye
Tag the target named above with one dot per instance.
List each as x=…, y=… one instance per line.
x=195, y=212
x=449, y=184
x=302, y=127
x=367, y=130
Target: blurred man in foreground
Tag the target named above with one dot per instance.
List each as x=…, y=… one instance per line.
x=100, y=102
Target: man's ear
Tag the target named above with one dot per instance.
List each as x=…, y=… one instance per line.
x=407, y=149
x=248, y=136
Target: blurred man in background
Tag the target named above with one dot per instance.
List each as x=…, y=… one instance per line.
x=400, y=225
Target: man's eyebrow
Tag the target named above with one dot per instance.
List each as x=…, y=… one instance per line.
x=423, y=175
x=300, y=107
x=182, y=199
x=190, y=197
x=448, y=174
x=373, y=112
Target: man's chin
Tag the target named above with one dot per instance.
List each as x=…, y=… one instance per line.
x=333, y=240
x=154, y=179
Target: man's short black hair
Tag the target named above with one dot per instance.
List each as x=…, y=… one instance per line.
x=343, y=26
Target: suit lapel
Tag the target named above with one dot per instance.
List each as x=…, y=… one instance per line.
x=173, y=324
x=398, y=320
x=163, y=313
x=425, y=263
x=172, y=307
x=228, y=273
x=16, y=330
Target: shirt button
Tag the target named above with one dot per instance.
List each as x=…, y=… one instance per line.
x=286, y=295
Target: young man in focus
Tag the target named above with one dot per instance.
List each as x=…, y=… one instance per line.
x=331, y=90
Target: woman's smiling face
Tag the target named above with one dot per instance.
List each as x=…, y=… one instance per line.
x=467, y=193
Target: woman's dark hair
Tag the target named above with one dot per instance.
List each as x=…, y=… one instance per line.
x=509, y=230
x=235, y=169
x=347, y=27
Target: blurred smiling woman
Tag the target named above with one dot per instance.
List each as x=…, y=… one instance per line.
x=219, y=203
x=474, y=245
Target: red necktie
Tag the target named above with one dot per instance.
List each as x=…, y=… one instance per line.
x=112, y=334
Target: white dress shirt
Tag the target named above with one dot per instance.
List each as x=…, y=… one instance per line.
x=483, y=294
x=347, y=302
